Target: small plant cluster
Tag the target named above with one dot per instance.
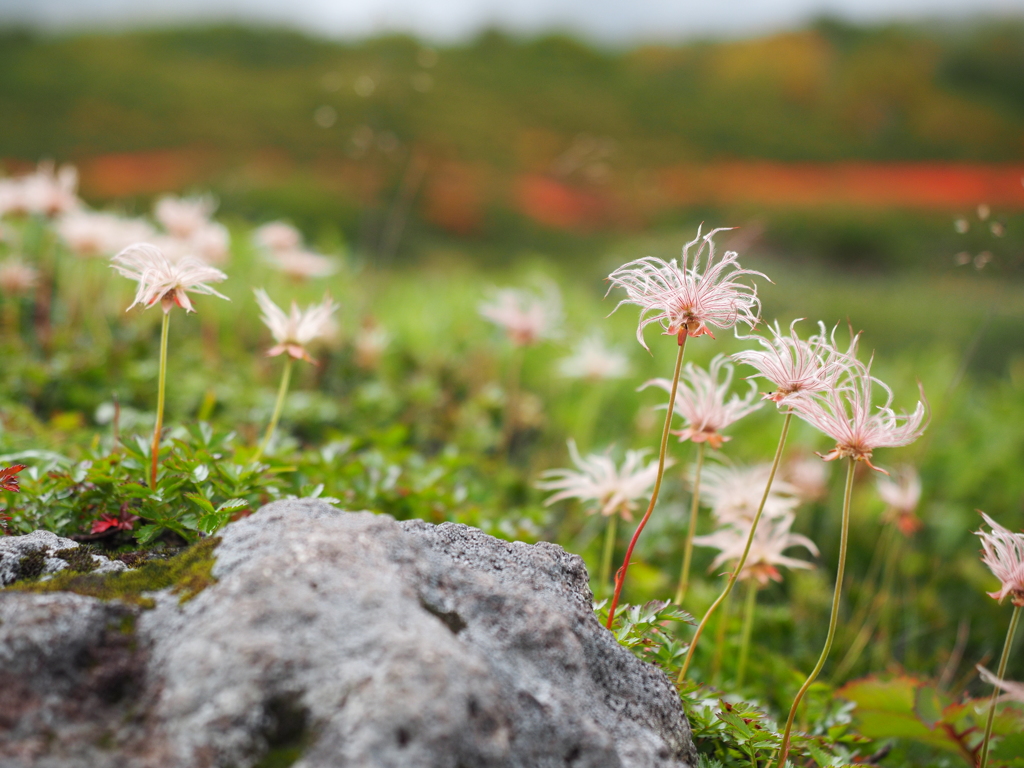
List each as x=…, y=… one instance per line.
x=818, y=381
x=439, y=424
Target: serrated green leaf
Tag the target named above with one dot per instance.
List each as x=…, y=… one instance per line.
x=201, y=502
x=232, y=504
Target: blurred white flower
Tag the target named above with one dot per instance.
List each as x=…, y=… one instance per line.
x=771, y=539
x=614, y=489
x=902, y=495
x=527, y=317
x=160, y=280
x=689, y=298
x=370, y=342
x=594, y=361
x=43, y=191
x=845, y=413
x=1013, y=691
x=277, y=236
x=809, y=477
x=1003, y=553
x=16, y=277
x=734, y=493
x=296, y=329
x=797, y=367
x=303, y=265
x=211, y=242
x=701, y=401
x=92, y=233
x=182, y=217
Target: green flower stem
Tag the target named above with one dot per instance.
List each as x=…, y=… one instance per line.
x=160, y=397
x=1002, y=671
x=748, y=624
x=286, y=377
x=515, y=370
x=723, y=626
x=873, y=610
x=684, y=575
x=833, y=619
x=609, y=550
x=746, y=551
x=620, y=577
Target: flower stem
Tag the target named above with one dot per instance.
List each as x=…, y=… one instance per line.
x=1002, y=671
x=723, y=626
x=833, y=619
x=609, y=550
x=748, y=624
x=515, y=369
x=873, y=610
x=746, y=551
x=684, y=574
x=286, y=377
x=620, y=576
x=160, y=396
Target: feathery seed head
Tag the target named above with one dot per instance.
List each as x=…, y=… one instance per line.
x=160, y=280
x=797, y=367
x=614, y=489
x=1003, y=553
x=772, y=538
x=594, y=361
x=182, y=217
x=302, y=265
x=278, y=237
x=296, y=329
x=701, y=401
x=1013, y=691
x=734, y=493
x=902, y=494
x=845, y=413
x=686, y=299
x=527, y=317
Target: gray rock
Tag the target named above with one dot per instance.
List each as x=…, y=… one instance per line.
x=14, y=549
x=67, y=670
x=349, y=639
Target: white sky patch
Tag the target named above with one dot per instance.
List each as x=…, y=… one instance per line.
x=609, y=21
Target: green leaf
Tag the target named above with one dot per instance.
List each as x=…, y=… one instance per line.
x=200, y=473
x=200, y=501
x=212, y=522
x=927, y=704
x=232, y=504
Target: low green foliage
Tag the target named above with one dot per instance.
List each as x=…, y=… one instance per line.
x=907, y=708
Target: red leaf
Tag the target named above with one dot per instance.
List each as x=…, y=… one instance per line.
x=106, y=522
x=9, y=478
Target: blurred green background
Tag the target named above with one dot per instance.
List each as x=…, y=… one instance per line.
x=876, y=174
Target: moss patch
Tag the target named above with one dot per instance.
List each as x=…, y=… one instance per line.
x=79, y=559
x=32, y=564
x=188, y=574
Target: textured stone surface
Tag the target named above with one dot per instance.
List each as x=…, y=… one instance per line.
x=348, y=639
x=14, y=549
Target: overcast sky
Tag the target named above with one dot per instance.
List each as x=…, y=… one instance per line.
x=614, y=21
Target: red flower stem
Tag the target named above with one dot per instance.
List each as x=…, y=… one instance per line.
x=746, y=551
x=160, y=397
x=833, y=620
x=620, y=576
x=995, y=692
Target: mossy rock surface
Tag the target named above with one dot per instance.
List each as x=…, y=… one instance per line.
x=187, y=574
